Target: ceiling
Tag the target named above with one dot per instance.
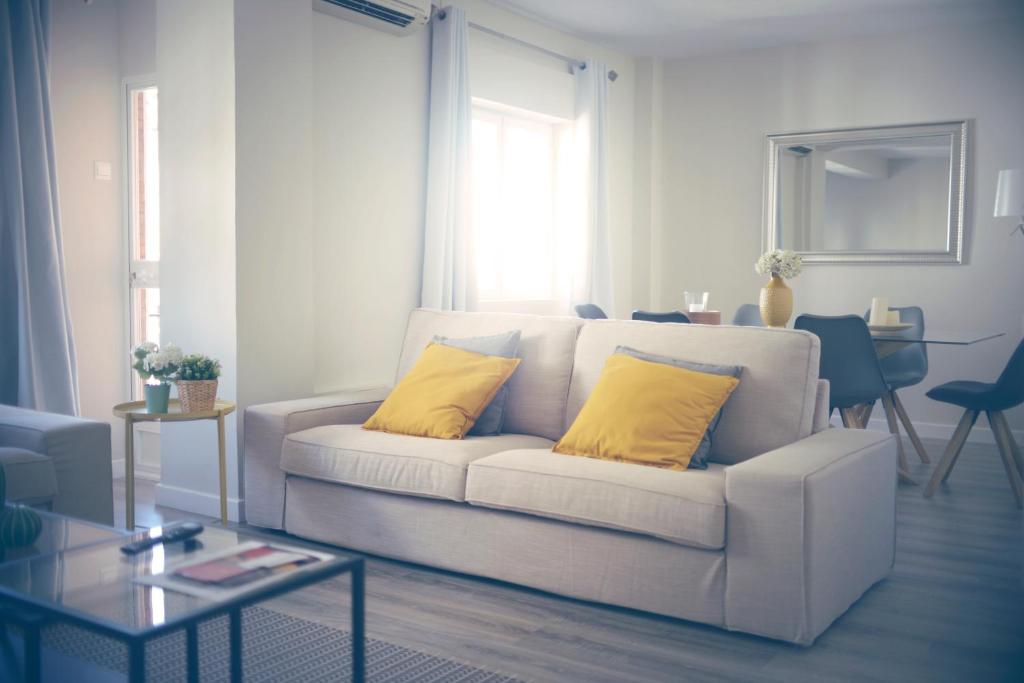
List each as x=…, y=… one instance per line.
x=683, y=28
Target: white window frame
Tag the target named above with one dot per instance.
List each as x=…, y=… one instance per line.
x=498, y=113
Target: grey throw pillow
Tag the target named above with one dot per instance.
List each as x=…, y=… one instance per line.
x=505, y=345
x=699, y=460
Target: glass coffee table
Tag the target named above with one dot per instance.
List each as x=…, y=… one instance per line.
x=98, y=587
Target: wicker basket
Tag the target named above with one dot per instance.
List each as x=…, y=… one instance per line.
x=197, y=396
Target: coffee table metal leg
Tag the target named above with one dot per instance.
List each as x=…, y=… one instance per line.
x=192, y=652
x=359, y=622
x=137, y=661
x=236, y=645
x=30, y=633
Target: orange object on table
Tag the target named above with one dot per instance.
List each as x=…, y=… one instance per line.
x=705, y=317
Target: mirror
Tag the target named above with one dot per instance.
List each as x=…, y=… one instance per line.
x=871, y=195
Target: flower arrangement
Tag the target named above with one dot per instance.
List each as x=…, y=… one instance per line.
x=779, y=262
x=154, y=362
x=196, y=367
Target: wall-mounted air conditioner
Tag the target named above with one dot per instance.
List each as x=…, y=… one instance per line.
x=401, y=17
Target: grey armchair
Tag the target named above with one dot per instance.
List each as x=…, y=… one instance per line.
x=58, y=459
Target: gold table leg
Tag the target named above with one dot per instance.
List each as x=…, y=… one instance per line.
x=129, y=473
x=223, y=471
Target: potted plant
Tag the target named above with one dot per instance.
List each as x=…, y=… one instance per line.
x=156, y=366
x=776, y=300
x=197, y=383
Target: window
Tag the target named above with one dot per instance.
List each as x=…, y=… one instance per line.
x=521, y=209
x=143, y=179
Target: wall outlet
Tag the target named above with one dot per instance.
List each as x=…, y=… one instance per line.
x=102, y=170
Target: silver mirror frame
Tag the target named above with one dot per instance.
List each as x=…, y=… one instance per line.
x=954, y=252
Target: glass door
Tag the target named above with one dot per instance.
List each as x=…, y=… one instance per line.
x=143, y=207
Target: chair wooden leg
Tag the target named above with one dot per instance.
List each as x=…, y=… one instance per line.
x=851, y=417
x=952, y=452
x=1006, y=452
x=894, y=429
x=1008, y=433
x=865, y=413
x=909, y=428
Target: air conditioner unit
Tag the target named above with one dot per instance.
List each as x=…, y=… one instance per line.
x=400, y=17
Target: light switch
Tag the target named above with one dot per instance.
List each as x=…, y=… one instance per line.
x=102, y=170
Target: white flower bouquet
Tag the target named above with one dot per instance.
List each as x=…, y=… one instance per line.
x=781, y=262
x=154, y=362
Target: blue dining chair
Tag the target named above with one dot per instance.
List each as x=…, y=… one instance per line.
x=907, y=367
x=992, y=398
x=748, y=315
x=666, y=317
x=850, y=364
x=590, y=311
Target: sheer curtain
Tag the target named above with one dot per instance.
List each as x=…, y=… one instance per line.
x=447, y=247
x=37, y=352
x=595, y=282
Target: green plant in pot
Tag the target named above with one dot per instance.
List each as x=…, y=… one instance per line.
x=156, y=366
x=197, y=383
x=19, y=525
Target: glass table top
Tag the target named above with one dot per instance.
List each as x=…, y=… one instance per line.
x=99, y=584
x=60, y=533
x=952, y=337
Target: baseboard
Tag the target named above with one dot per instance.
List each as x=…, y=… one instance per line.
x=141, y=471
x=982, y=432
x=196, y=501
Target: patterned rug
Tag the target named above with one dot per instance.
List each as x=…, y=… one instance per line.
x=277, y=648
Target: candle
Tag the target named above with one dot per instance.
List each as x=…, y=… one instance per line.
x=879, y=311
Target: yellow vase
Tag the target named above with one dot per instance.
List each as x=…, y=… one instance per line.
x=776, y=302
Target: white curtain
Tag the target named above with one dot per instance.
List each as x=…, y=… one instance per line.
x=595, y=286
x=447, y=247
x=37, y=352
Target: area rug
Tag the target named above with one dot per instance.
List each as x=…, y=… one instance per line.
x=276, y=647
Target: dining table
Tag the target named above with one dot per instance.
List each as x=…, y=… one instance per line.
x=887, y=342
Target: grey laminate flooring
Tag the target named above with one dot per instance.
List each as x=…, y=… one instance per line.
x=952, y=610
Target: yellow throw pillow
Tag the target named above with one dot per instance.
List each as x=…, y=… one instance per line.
x=646, y=413
x=443, y=394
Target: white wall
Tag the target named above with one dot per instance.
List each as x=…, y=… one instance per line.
x=370, y=99
x=84, y=87
x=195, y=70
x=369, y=170
x=717, y=112
x=273, y=83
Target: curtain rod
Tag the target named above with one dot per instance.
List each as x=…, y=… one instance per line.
x=571, y=61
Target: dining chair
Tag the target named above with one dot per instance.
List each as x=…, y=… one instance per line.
x=992, y=398
x=850, y=364
x=666, y=317
x=590, y=311
x=905, y=368
x=748, y=315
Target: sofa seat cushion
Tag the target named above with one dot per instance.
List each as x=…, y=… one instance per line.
x=685, y=507
x=30, y=475
x=414, y=465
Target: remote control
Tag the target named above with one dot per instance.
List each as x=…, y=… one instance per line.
x=170, y=533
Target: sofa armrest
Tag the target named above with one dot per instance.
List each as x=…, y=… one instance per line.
x=80, y=451
x=268, y=424
x=811, y=526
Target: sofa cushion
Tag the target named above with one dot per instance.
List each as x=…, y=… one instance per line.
x=30, y=475
x=685, y=507
x=772, y=407
x=415, y=465
x=537, y=390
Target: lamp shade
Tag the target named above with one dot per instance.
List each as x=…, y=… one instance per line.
x=1010, y=193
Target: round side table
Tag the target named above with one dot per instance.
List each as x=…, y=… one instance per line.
x=135, y=411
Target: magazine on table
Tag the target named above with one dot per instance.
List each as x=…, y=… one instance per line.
x=239, y=569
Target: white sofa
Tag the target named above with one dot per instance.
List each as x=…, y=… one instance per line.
x=791, y=523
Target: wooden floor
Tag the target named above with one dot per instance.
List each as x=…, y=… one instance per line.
x=952, y=610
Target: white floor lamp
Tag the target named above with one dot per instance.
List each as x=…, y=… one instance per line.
x=1010, y=196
